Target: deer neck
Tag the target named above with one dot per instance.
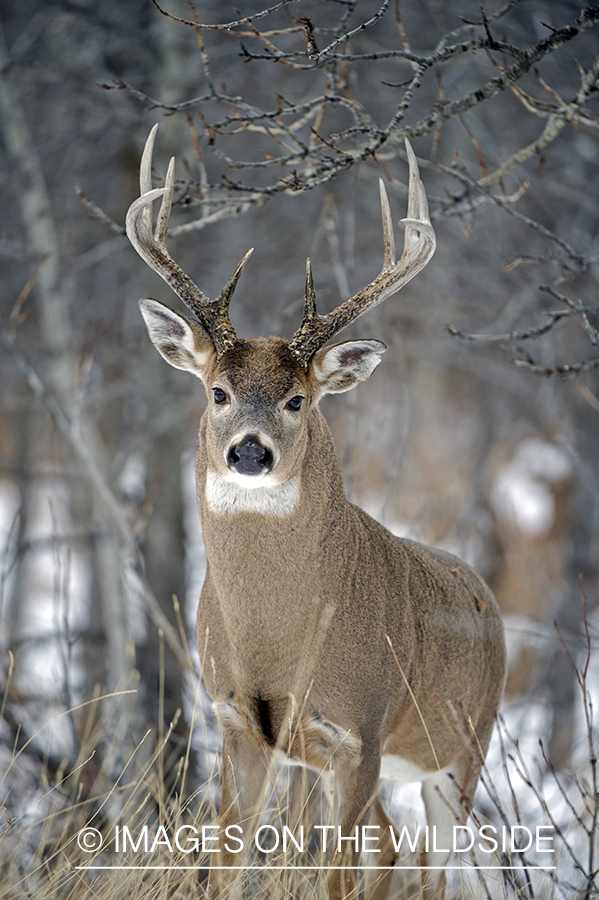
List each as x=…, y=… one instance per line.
x=266, y=579
x=294, y=524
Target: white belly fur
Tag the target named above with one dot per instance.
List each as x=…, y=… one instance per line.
x=401, y=769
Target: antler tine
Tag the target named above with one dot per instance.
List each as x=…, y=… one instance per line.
x=419, y=246
x=145, y=179
x=388, y=236
x=145, y=187
x=145, y=166
x=416, y=208
x=309, y=336
x=310, y=296
x=224, y=298
x=161, y=229
x=213, y=314
x=417, y=203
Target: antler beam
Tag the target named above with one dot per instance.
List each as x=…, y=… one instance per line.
x=151, y=246
x=419, y=246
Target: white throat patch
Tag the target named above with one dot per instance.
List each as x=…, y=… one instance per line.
x=229, y=497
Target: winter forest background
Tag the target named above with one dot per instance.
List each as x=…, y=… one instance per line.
x=482, y=438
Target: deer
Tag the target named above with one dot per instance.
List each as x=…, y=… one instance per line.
x=322, y=636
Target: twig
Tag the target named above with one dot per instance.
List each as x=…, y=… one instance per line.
x=229, y=25
x=566, y=369
x=555, y=316
x=345, y=37
x=98, y=214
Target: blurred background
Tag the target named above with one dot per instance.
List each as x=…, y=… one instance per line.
x=484, y=442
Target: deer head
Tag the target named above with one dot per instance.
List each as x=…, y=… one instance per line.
x=262, y=391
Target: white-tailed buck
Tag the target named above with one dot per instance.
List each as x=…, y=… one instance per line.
x=321, y=633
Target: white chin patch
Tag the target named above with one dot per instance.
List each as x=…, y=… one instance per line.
x=250, y=482
x=246, y=493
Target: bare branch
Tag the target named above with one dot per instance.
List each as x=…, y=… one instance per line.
x=554, y=316
x=98, y=214
x=565, y=370
x=229, y=25
x=576, y=258
x=345, y=37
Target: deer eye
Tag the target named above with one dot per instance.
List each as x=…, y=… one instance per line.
x=295, y=403
x=219, y=395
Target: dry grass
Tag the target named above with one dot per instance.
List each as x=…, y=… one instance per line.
x=45, y=808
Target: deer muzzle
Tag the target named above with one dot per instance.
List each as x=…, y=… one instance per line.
x=250, y=456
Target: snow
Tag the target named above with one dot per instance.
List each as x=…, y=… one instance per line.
x=521, y=491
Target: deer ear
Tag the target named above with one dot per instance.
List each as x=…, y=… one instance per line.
x=342, y=366
x=183, y=343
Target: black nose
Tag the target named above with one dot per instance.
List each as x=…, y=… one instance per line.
x=249, y=456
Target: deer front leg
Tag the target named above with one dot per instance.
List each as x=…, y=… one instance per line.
x=355, y=787
x=378, y=883
x=244, y=772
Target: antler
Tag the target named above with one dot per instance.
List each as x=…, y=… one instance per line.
x=419, y=246
x=213, y=314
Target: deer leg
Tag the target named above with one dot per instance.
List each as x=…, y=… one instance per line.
x=377, y=884
x=447, y=798
x=244, y=773
x=355, y=787
x=305, y=805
